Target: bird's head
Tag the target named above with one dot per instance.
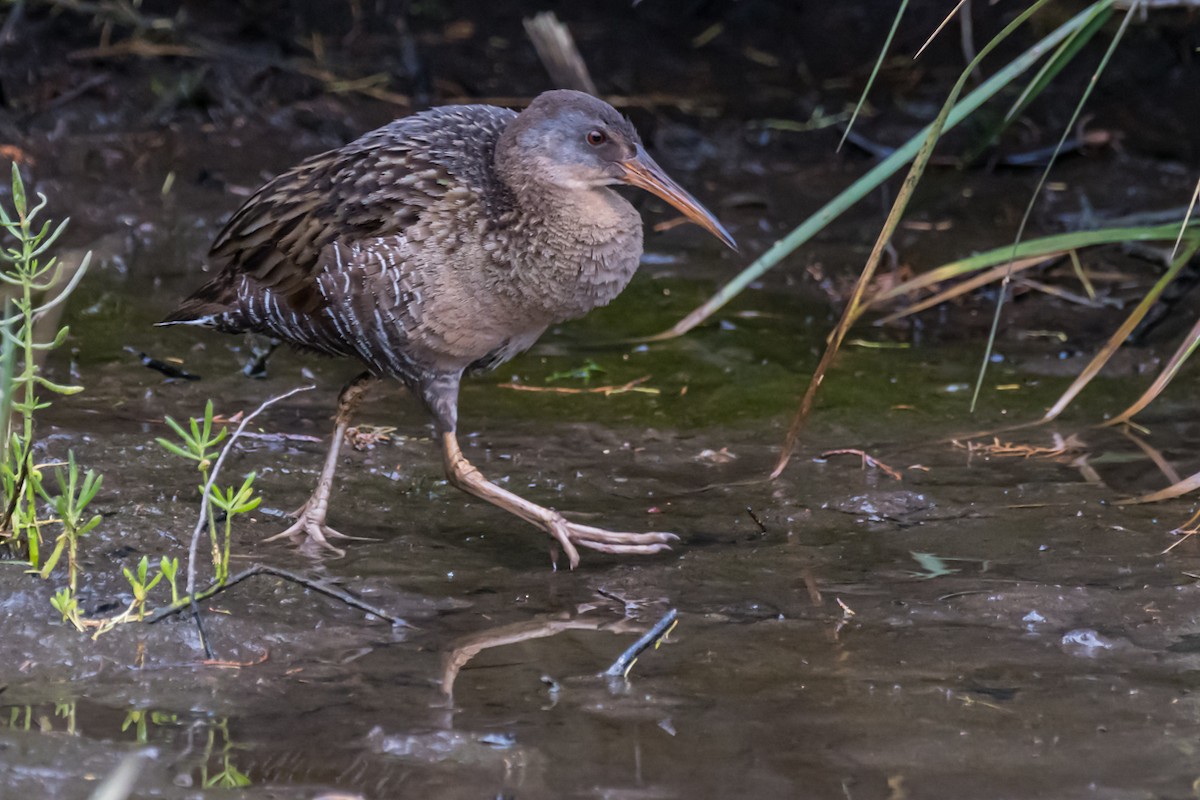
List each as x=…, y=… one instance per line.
x=571, y=140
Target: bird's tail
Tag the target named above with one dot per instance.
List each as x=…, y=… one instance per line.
x=214, y=305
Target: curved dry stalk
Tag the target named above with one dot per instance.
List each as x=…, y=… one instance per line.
x=1186, y=348
x=1179, y=489
x=1155, y=455
x=1122, y=333
x=1191, y=526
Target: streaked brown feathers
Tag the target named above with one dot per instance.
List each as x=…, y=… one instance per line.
x=376, y=186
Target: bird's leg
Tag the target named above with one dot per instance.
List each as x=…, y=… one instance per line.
x=569, y=535
x=440, y=394
x=310, y=527
x=256, y=367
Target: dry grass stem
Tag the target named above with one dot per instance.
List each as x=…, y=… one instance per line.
x=607, y=391
x=867, y=461
x=1177, y=489
x=213, y=662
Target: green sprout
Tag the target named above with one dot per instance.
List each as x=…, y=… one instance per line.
x=141, y=585
x=33, y=276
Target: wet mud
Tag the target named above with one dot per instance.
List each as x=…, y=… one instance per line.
x=978, y=625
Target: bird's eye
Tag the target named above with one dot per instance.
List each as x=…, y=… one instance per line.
x=596, y=138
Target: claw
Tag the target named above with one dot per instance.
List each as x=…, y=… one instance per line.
x=310, y=530
x=306, y=532
x=570, y=535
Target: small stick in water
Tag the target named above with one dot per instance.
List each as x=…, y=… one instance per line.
x=620, y=668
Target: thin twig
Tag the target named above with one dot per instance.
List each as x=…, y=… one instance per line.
x=262, y=659
x=945, y=21
x=194, y=548
x=620, y=668
x=1186, y=218
x=321, y=586
x=867, y=461
x=607, y=391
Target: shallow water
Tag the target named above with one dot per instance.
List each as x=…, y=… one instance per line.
x=985, y=626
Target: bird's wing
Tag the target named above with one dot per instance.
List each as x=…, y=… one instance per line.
x=375, y=186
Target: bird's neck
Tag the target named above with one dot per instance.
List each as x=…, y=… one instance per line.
x=577, y=206
x=591, y=215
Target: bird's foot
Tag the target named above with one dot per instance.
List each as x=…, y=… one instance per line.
x=571, y=536
x=311, y=532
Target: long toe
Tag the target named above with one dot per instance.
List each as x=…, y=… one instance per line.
x=626, y=549
x=571, y=535
x=311, y=535
x=582, y=534
x=330, y=533
x=296, y=532
x=316, y=540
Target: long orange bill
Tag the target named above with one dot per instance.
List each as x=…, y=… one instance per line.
x=642, y=172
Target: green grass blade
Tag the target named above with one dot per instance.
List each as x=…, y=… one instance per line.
x=854, y=307
x=881, y=172
x=175, y=449
x=1055, y=64
x=1168, y=373
x=1122, y=333
x=1043, y=78
x=52, y=561
x=1042, y=246
x=1070, y=126
x=18, y=192
x=862, y=98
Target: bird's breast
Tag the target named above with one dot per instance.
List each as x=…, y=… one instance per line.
x=578, y=254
